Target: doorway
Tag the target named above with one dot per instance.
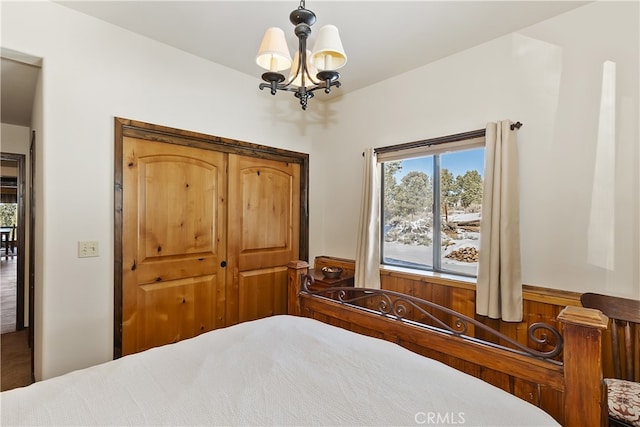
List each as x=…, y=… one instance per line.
x=17, y=358
x=12, y=233
x=21, y=94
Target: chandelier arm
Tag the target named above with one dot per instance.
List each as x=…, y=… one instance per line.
x=282, y=87
x=325, y=84
x=311, y=77
x=288, y=88
x=294, y=75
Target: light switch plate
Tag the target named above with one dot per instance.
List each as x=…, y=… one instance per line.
x=88, y=248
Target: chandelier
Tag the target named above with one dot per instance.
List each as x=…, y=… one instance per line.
x=310, y=70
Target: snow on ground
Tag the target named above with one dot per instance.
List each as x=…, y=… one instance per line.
x=463, y=217
x=422, y=255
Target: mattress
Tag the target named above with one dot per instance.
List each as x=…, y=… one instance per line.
x=281, y=370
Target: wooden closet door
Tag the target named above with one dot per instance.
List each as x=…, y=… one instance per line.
x=263, y=235
x=174, y=240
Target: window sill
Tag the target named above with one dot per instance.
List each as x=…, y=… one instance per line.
x=429, y=276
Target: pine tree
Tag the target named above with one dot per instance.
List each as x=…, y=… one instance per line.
x=470, y=188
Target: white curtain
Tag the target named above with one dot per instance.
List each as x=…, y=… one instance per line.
x=499, y=288
x=367, y=272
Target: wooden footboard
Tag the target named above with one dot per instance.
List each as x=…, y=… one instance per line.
x=561, y=373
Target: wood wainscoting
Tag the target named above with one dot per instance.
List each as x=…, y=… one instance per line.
x=539, y=304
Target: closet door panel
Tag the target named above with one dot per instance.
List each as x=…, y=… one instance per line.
x=262, y=293
x=174, y=239
x=177, y=309
x=263, y=234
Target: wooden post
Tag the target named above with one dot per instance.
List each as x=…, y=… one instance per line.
x=584, y=388
x=295, y=271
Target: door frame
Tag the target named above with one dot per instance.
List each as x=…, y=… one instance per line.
x=32, y=251
x=151, y=132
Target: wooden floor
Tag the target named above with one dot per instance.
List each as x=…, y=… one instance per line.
x=15, y=358
x=8, y=294
x=15, y=354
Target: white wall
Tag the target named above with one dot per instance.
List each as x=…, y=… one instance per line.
x=91, y=73
x=549, y=77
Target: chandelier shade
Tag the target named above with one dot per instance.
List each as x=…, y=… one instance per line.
x=304, y=78
x=273, y=54
x=328, y=53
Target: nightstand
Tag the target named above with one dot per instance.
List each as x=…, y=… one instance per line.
x=321, y=282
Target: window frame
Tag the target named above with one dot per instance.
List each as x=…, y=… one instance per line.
x=429, y=147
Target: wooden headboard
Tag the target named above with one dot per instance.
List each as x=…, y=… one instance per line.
x=568, y=387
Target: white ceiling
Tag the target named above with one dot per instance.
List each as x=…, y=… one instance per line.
x=382, y=38
x=18, y=78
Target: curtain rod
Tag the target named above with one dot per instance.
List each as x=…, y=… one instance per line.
x=439, y=140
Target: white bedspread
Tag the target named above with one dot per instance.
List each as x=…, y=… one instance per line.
x=276, y=371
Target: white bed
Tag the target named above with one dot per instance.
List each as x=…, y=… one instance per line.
x=282, y=370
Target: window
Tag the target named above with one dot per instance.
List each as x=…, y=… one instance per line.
x=8, y=214
x=432, y=204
